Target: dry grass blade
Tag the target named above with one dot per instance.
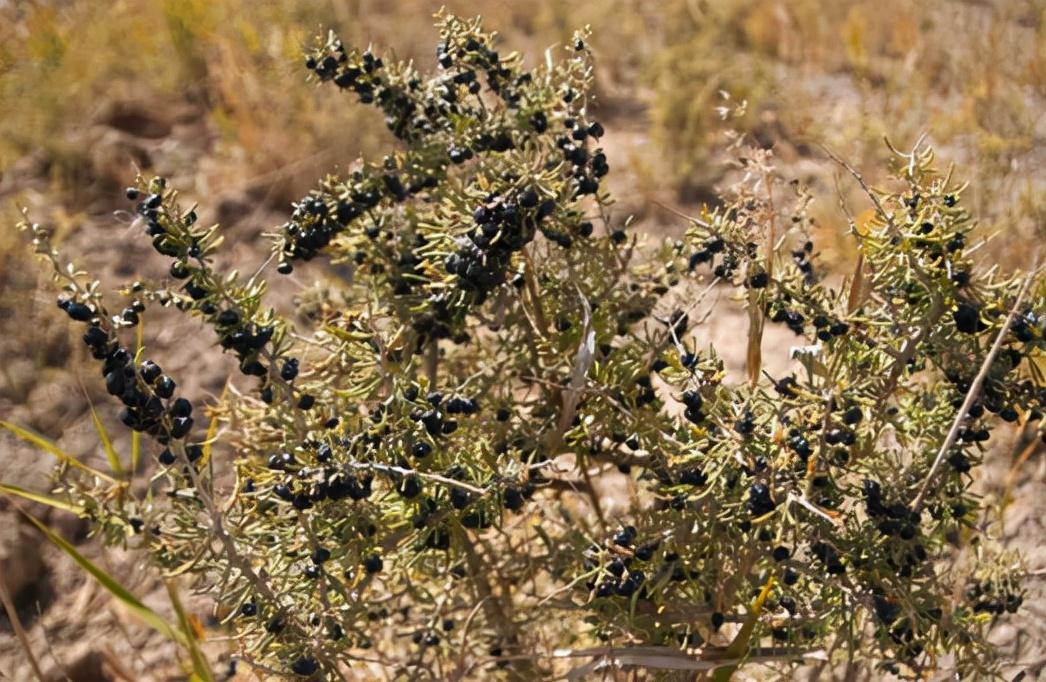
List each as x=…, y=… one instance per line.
x=858, y=288
x=754, y=356
x=19, y=630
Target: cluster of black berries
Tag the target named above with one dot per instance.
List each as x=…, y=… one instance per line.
x=798, y=443
x=151, y=209
x=693, y=401
x=828, y=556
x=620, y=577
x=997, y=397
x=472, y=55
x=235, y=333
x=712, y=245
x=175, y=240
x=586, y=168
x=803, y=260
x=828, y=329
x=987, y=598
x=412, y=113
x=1027, y=327
x=305, y=486
x=244, y=338
x=314, y=223
x=891, y=519
x=144, y=389
x=503, y=226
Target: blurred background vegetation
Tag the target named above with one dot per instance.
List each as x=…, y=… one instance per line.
x=227, y=77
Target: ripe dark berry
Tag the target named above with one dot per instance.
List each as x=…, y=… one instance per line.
x=150, y=371
x=180, y=426
x=781, y=553
x=164, y=387
x=852, y=416
x=373, y=564
x=249, y=609
x=646, y=551
x=421, y=449
x=320, y=555
x=968, y=318
x=759, y=500
x=194, y=452
x=717, y=620
x=306, y=401
x=181, y=408
x=410, y=487
x=625, y=536
x=759, y=280
x=95, y=336
x=78, y=311
x=789, y=577
x=305, y=666
x=132, y=193
x=289, y=370
x=513, y=499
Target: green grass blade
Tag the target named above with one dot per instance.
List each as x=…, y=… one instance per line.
x=113, y=586
x=201, y=669
x=107, y=443
x=41, y=498
x=136, y=449
x=49, y=446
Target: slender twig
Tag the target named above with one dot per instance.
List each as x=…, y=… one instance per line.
x=971, y=397
x=403, y=471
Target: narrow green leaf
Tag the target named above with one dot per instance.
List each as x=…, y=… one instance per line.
x=201, y=669
x=113, y=586
x=49, y=446
x=41, y=498
x=107, y=443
